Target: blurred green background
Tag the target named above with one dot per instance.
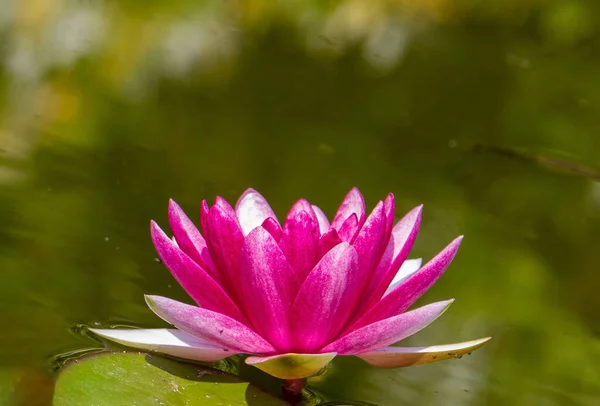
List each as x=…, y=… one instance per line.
x=488, y=112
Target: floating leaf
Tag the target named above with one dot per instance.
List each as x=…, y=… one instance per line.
x=118, y=378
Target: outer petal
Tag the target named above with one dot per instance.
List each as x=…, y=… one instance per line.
x=319, y=311
x=402, y=239
x=189, y=238
x=354, y=203
x=321, y=219
x=409, y=267
x=267, y=291
x=388, y=331
x=167, y=341
x=214, y=328
x=394, y=357
x=291, y=366
x=252, y=209
x=300, y=244
x=196, y=282
x=411, y=289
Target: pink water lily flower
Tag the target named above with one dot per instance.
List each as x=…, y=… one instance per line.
x=295, y=295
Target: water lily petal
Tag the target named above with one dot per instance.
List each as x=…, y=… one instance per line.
x=369, y=246
x=388, y=331
x=354, y=203
x=409, y=267
x=214, y=328
x=172, y=342
x=224, y=241
x=300, y=244
x=291, y=366
x=394, y=357
x=189, y=238
x=195, y=280
x=268, y=286
x=252, y=209
x=349, y=229
x=204, y=217
x=321, y=219
x=302, y=205
x=389, y=206
x=413, y=287
x=273, y=227
x=400, y=243
x=328, y=240
x=226, y=207
x=368, y=242
x=319, y=310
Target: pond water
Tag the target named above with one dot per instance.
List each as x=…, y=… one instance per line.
x=487, y=113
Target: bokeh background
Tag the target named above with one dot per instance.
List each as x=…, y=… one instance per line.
x=488, y=112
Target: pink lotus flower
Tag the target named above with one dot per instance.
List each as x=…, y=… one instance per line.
x=295, y=295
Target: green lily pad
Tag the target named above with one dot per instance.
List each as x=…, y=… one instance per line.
x=117, y=378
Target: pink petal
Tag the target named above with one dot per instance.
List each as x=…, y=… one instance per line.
x=348, y=230
x=291, y=365
x=224, y=204
x=224, y=241
x=189, y=238
x=273, y=227
x=389, y=207
x=399, y=246
x=300, y=243
x=368, y=243
x=302, y=205
x=354, y=203
x=394, y=357
x=268, y=282
x=196, y=282
x=214, y=328
x=322, y=219
x=387, y=331
x=167, y=341
x=252, y=209
x=328, y=240
x=319, y=310
x=369, y=246
x=411, y=289
x=204, y=217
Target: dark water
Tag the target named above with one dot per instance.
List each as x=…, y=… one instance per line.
x=488, y=113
